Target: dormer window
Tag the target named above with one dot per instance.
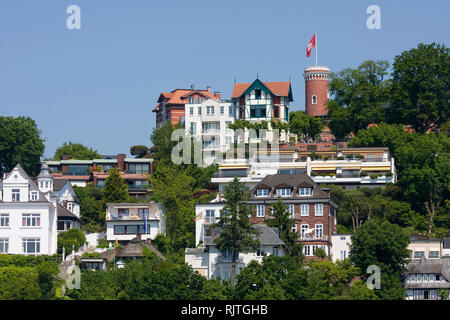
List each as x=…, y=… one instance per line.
x=15, y=194
x=304, y=192
x=34, y=196
x=283, y=192
x=262, y=192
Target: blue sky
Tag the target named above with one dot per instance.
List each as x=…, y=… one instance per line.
x=98, y=85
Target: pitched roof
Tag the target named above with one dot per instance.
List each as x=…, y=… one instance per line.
x=281, y=88
x=58, y=184
x=64, y=213
x=267, y=235
x=427, y=266
x=179, y=96
x=281, y=180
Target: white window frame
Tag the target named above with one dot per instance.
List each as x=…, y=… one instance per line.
x=303, y=213
x=291, y=210
x=303, y=228
x=5, y=243
x=32, y=220
x=314, y=99
x=262, y=192
x=304, y=192
x=260, y=211
x=316, y=228
x=15, y=195
x=37, y=244
x=191, y=111
x=318, y=212
x=283, y=192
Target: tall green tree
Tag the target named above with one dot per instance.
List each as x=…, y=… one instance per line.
x=92, y=210
x=20, y=142
x=115, y=189
x=237, y=233
x=76, y=151
x=359, y=97
x=382, y=244
x=421, y=87
x=139, y=151
x=282, y=220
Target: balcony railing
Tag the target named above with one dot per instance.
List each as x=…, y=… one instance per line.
x=229, y=259
x=138, y=188
x=129, y=217
x=81, y=173
x=137, y=171
x=313, y=238
x=229, y=175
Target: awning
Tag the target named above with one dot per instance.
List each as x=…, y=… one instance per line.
x=376, y=168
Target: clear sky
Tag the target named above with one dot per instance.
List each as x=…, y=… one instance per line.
x=98, y=85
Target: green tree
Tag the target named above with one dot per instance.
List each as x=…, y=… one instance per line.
x=20, y=142
x=282, y=220
x=115, y=189
x=72, y=238
x=19, y=283
x=359, y=97
x=92, y=210
x=384, y=245
x=421, y=87
x=162, y=141
x=304, y=126
x=139, y=151
x=76, y=151
x=237, y=233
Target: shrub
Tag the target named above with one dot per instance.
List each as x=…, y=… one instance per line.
x=363, y=174
x=340, y=158
x=313, y=173
x=373, y=176
x=388, y=174
x=325, y=158
x=73, y=238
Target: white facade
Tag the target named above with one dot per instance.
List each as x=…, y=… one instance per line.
x=205, y=215
x=125, y=221
x=28, y=216
x=66, y=195
x=209, y=121
x=340, y=246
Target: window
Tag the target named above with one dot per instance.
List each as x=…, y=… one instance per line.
x=230, y=111
x=294, y=228
x=191, y=111
x=304, y=210
x=78, y=170
x=63, y=225
x=143, y=213
x=307, y=250
x=138, y=168
x=258, y=111
x=419, y=278
x=210, y=216
x=319, y=231
x=210, y=110
x=303, y=229
x=259, y=252
x=283, y=192
x=15, y=194
x=228, y=140
x=222, y=109
x=319, y=209
x=434, y=254
x=46, y=184
x=191, y=100
x=275, y=251
x=412, y=278
x=262, y=192
x=425, y=277
x=31, y=245
x=291, y=210
x=276, y=111
x=34, y=196
x=260, y=211
x=419, y=254
x=314, y=99
x=119, y=229
x=257, y=93
x=4, y=245
x=193, y=128
x=199, y=100
x=343, y=254
x=4, y=219
x=286, y=113
x=199, y=110
x=304, y=192
x=31, y=219
x=123, y=213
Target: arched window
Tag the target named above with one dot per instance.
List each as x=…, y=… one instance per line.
x=314, y=99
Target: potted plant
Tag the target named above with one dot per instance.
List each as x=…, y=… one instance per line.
x=340, y=158
x=373, y=176
x=363, y=174
x=313, y=173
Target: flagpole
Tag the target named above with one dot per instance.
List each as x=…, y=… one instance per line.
x=317, y=46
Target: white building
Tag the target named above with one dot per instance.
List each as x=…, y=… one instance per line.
x=28, y=214
x=340, y=246
x=209, y=121
x=125, y=221
x=211, y=263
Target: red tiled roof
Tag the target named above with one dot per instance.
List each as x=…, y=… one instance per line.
x=177, y=96
x=280, y=88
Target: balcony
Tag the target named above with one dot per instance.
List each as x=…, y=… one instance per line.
x=129, y=217
x=75, y=173
x=222, y=259
x=139, y=188
x=137, y=171
x=313, y=238
x=229, y=174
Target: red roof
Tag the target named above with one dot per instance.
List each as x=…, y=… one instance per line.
x=280, y=88
x=179, y=96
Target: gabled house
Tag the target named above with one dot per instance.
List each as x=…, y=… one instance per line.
x=28, y=214
x=212, y=263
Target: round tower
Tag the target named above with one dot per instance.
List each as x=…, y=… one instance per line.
x=316, y=90
x=45, y=179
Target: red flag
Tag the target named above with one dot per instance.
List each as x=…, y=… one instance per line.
x=311, y=44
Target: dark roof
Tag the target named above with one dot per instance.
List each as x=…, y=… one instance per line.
x=133, y=249
x=267, y=235
x=58, y=184
x=64, y=213
x=419, y=237
x=293, y=180
x=424, y=266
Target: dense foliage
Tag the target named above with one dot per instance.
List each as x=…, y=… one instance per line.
x=76, y=151
x=20, y=142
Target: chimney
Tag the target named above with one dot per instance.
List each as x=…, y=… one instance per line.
x=208, y=88
x=217, y=95
x=121, y=161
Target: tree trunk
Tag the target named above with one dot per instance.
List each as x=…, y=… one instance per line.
x=431, y=209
